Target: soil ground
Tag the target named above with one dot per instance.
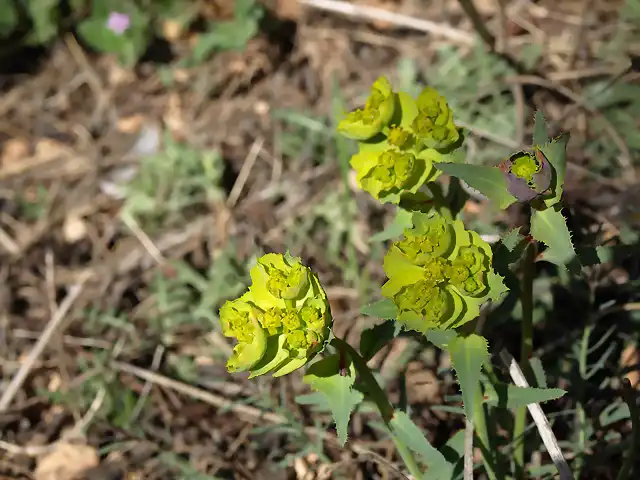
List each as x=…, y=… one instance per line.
x=128, y=375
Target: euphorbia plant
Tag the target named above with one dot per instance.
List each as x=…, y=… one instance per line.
x=440, y=274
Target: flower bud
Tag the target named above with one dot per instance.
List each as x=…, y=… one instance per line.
x=434, y=123
x=527, y=175
x=281, y=323
x=439, y=274
x=365, y=123
x=284, y=277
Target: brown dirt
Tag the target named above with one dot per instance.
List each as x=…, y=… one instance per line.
x=70, y=122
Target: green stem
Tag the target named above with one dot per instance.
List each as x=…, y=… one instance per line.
x=582, y=416
x=634, y=445
x=377, y=394
x=526, y=349
x=482, y=432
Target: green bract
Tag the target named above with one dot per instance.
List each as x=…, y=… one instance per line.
x=281, y=322
x=434, y=123
x=439, y=274
x=400, y=140
x=364, y=123
x=387, y=173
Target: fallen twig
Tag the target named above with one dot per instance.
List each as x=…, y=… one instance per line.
x=538, y=416
x=380, y=15
x=55, y=322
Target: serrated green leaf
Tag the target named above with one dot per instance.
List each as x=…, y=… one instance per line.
x=401, y=221
x=487, y=180
x=540, y=135
x=468, y=354
x=372, y=340
x=454, y=448
x=512, y=396
x=441, y=338
x=316, y=399
x=325, y=378
x=556, y=153
x=509, y=251
x=550, y=227
x=538, y=372
x=384, y=309
x=409, y=434
x=512, y=239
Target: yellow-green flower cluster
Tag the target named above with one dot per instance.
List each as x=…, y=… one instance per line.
x=400, y=138
x=439, y=274
x=281, y=322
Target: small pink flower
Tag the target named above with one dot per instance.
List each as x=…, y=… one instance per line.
x=118, y=23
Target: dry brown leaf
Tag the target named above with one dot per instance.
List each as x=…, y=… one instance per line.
x=14, y=151
x=423, y=385
x=55, y=382
x=118, y=75
x=67, y=461
x=174, y=118
x=181, y=75
x=288, y=9
x=74, y=229
x=131, y=124
x=171, y=30
x=630, y=358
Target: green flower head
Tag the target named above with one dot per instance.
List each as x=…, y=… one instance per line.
x=434, y=122
x=387, y=174
x=400, y=138
x=430, y=237
x=285, y=277
x=527, y=175
x=364, y=123
x=236, y=319
x=281, y=323
x=439, y=274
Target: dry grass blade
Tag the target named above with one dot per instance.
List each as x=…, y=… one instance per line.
x=53, y=325
x=538, y=416
x=380, y=15
x=246, y=412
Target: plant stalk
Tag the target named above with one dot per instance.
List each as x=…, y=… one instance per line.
x=634, y=446
x=526, y=349
x=484, y=439
x=377, y=394
x=582, y=416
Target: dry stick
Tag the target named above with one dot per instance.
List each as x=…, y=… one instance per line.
x=246, y=412
x=75, y=432
x=468, y=450
x=539, y=418
x=380, y=15
x=155, y=364
x=36, y=351
x=243, y=176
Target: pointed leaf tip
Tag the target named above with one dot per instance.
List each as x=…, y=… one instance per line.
x=325, y=377
x=540, y=135
x=549, y=227
x=468, y=355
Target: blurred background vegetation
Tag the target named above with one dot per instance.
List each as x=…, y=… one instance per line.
x=142, y=172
